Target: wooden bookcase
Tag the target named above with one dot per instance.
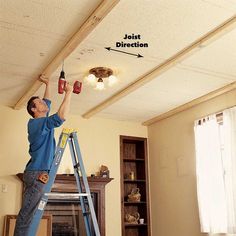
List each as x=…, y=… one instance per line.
x=134, y=174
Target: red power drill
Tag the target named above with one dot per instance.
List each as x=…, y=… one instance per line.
x=77, y=87
x=61, y=82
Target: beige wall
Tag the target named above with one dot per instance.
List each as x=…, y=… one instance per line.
x=171, y=159
x=172, y=170
x=99, y=143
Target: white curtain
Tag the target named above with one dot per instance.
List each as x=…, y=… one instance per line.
x=216, y=172
x=229, y=161
x=210, y=176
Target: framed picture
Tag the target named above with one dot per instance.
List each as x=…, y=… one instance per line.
x=45, y=226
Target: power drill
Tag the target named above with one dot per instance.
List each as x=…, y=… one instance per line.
x=62, y=83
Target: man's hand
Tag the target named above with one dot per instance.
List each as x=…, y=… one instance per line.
x=68, y=88
x=43, y=79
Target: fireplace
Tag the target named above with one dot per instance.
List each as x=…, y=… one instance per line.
x=67, y=218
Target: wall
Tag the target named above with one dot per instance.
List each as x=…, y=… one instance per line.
x=99, y=143
x=172, y=169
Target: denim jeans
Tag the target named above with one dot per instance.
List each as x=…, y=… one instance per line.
x=33, y=191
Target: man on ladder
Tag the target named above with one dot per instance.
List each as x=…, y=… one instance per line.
x=42, y=149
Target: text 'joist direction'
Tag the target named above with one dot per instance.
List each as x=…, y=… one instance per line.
x=131, y=41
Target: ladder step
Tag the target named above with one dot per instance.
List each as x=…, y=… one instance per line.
x=86, y=213
x=66, y=195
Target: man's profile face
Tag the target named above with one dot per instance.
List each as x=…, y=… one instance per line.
x=40, y=105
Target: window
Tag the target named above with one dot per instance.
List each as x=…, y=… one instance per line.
x=215, y=144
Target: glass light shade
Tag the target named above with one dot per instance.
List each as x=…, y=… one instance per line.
x=112, y=80
x=100, y=85
x=91, y=79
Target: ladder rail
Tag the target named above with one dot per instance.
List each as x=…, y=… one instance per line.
x=85, y=182
x=79, y=185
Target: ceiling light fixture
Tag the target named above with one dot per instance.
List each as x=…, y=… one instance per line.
x=98, y=76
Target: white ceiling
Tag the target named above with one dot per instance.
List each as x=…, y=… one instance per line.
x=34, y=31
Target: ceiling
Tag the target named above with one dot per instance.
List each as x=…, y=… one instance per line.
x=191, y=52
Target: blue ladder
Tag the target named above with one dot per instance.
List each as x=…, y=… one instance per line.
x=85, y=198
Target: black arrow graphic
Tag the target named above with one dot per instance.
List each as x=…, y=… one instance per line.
x=111, y=49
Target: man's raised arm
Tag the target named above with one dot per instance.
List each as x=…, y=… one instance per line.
x=45, y=80
x=65, y=105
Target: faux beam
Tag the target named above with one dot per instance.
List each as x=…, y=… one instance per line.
x=88, y=26
x=192, y=103
x=167, y=64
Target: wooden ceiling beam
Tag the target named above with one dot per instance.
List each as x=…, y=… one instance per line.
x=192, y=103
x=167, y=64
x=88, y=26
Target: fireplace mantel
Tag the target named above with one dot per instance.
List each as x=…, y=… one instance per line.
x=67, y=184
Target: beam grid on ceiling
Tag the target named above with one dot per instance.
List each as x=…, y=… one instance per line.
x=206, y=39
x=192, y=103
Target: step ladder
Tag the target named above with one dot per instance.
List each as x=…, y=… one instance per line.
x=69, y=135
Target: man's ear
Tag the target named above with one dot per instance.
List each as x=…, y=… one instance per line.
x=33, y=109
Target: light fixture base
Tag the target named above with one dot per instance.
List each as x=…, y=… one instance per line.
x=101, y=72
